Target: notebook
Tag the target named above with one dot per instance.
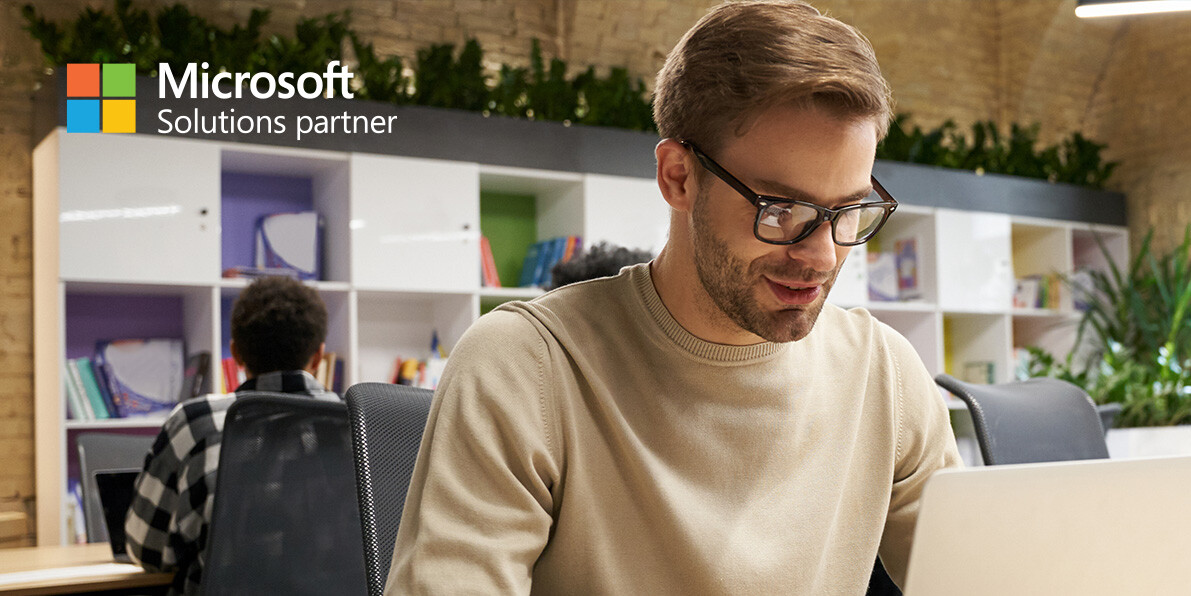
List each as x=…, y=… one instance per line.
x=115, y=496
x=1095, y=527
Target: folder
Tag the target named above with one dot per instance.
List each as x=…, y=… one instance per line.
x=291, y=241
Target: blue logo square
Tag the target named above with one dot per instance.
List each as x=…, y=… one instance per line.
x=82, y=115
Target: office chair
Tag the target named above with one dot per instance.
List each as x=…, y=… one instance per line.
x=285, y=520
x=387, y=423
x=106, y=451
x=1108, y=415
x=1037, y=420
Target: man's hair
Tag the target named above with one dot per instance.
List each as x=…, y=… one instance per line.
x=278, y=324
x=602, y=260
x=745, y=57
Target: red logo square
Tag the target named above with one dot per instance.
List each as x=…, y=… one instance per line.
x=82, y=80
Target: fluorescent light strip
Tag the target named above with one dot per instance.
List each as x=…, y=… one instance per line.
x=1129, y=7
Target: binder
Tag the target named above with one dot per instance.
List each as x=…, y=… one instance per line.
x=145, y=374
x=290, y=241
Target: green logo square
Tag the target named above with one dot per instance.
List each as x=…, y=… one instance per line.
x=119, y=80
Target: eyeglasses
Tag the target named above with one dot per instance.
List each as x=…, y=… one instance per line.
x=787, y=221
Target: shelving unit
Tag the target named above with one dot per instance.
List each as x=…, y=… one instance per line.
x=143, y=225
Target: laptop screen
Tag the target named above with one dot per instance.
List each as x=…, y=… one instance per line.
x=115, y=495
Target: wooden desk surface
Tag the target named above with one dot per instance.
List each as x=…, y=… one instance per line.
x=69, y=569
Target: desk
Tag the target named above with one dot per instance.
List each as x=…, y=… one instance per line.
x=70, y=569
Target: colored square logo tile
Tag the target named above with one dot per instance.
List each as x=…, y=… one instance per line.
x=82, y=115
x=119, y=115
x=82, y=80
x=119, y=80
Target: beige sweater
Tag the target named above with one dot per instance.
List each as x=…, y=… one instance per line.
x=585, y=443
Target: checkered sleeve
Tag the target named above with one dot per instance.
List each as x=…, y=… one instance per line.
x=147, y=525
x=166, y=526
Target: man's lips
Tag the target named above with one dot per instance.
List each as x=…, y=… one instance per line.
x=794, y=292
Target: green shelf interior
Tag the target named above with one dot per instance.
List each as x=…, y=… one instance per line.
x=510, y=223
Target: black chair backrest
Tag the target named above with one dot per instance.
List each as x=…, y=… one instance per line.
x=284, y=519
x=1037, y=420
x=106, y=451
x=387, y=423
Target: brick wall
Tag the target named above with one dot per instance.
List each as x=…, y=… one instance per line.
x=1121, y=81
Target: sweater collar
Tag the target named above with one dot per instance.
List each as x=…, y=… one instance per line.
x=642, y=281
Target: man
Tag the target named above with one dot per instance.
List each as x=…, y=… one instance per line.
x=704, y=423
x=278, y=326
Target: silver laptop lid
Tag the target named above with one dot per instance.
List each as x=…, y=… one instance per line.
x=1090, y=527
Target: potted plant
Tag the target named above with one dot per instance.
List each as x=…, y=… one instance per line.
x=1134, y=348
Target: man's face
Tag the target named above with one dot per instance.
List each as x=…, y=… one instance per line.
x=771, y=291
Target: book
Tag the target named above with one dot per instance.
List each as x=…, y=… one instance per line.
x=195, y=375
x=74, y=395
x=145, y=375
x=290, y=241
x=981, y=372
x=91, y=388
x=320, y=372
x=105, y=386
x=906, y=250
x=337, y=383
x=231, y=375
x=530, y=264
x=1026, y=292
x=489, y=277
x=554, y=251
x=332, y=359
x=882, y=277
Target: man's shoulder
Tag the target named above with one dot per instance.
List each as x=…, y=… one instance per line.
x=857, y=328
x=199, y=412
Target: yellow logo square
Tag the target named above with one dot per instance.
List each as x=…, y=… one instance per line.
x=119, y=115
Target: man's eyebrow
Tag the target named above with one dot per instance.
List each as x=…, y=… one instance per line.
x=783, y=191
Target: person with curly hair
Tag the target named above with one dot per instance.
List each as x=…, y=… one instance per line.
x=278, y=326
x=603, y=259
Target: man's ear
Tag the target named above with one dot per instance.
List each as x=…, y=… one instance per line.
x=317, y=358
x=676, y=174
x=235, y=350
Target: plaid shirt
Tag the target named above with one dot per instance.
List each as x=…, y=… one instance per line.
x=167, y=524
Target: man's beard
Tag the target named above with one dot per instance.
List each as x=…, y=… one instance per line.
x=730, y=281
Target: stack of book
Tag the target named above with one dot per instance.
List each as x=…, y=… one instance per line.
x=126, y=378
x=1037, y=291
x=329, y=373
x=418, y=373
x=543, y=255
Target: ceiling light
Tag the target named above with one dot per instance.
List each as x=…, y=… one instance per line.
x=1116, y=8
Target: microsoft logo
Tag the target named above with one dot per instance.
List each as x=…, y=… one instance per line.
x=91, y=90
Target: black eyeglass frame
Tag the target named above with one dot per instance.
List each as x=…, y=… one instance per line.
x=826, y=214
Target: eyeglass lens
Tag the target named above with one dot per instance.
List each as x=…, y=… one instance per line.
x=781, y=222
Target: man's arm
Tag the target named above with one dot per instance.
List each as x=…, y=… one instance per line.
x=480, y=503
x=926, y=443
x=147, y=525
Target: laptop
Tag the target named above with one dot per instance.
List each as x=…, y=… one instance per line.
x=115, y=489
x=1093, y=527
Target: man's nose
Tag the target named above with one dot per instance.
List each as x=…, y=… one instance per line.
x=817, y=251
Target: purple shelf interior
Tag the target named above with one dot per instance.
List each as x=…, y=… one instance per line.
x=246, y=197
x=91, y=318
